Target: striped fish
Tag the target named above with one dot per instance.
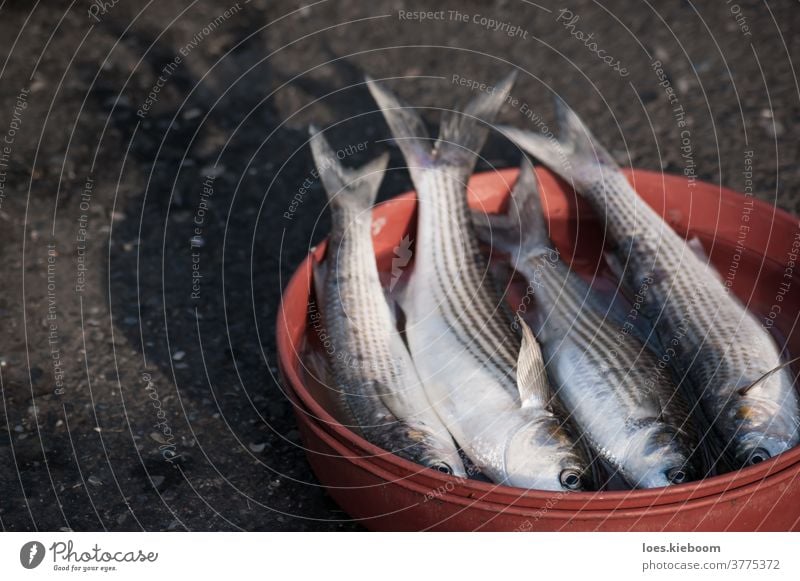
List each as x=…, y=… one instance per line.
x=486, y=381
x=631, y=415
x=732, y=365
x=377, y=386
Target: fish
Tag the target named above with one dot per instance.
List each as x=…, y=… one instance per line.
x=485, y=379
x=376, y=384
x=632, y=416
x=731, y=368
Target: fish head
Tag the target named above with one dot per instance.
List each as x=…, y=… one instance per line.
x=435, y=451
x=541, y=455
x=760, y=427
x=657, y=455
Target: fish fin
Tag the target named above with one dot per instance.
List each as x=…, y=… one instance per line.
x=399, y=303
x=461, y=136
x=406, y=125
x=531, y=374
x=401, y=367
x=617, y=306
x=343, y=185
x=696, y=246
x=317, y=365
x=579, y=137
x=576, y=155
x=526, y=211
x=522, y=230
x=496, y=230
x=699, y=251
x=615, y=265
x=549, y=151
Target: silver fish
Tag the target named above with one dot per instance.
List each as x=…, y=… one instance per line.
x=486, y=381
x=607, y=378
x=377, y=385
x=732, y=364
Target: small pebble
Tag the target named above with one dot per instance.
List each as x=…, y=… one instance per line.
x=158, y=437
x=775, y=128
x=212, y=171
x=192, y=113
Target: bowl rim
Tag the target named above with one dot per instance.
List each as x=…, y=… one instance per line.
x=287, y=334
x=520, y=510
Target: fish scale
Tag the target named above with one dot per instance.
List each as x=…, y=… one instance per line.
x=689, y=294
x=608, y=381
x=731, y=364
x=467, y=301
x=471, y=304
x=377, y=386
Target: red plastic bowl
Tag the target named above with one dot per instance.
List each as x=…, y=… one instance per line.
x=386, y=492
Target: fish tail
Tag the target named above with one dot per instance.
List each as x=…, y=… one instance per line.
x=406, y=125
x=525, y=210
x=522, y=231
x=577, y=156
x=462, y=133
x=355, y=188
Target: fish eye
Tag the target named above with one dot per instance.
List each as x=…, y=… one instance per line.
x=443, y=467
x=676, y=476
x=570, y=479
x=758, y=456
